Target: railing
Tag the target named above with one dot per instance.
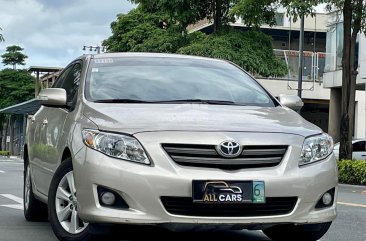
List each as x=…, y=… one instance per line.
x=314, y=64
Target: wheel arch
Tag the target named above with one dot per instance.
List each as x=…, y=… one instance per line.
x=66, y=154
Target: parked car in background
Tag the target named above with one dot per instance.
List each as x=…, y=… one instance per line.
x=176, y=141
x=359, y=149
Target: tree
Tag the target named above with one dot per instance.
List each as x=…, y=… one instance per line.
x=14, y=56
x=354, y=23
x=187, y=12
x=140, y=31
x=251, y=50
x=257, y=12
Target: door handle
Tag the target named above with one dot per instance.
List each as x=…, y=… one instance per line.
x=45, y=122
x=33, y=119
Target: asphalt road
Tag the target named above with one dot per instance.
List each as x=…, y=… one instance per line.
x=350, y=224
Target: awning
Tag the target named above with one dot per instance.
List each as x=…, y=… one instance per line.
x=29, y=107
x=43, y=69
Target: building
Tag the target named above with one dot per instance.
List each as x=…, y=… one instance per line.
x=333, y=77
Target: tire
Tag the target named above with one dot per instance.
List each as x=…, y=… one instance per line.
x=34, y=210
x=307, y=232
x=64, y=207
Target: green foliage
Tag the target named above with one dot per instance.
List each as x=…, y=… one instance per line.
x=352, y=172
x=187, y=12
x=16, y=86
x=257, y=12
x=14, y=56
x=4, y=153
x=250, y=50
x=140, y=31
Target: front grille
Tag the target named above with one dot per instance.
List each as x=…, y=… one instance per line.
x=186, y=207
x=207, y=156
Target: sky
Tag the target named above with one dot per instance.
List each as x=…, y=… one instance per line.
x=53, y=32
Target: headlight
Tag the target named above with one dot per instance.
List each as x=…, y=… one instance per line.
x=116, y=145
x=316, y=148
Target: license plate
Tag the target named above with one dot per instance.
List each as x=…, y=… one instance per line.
x=228, y=191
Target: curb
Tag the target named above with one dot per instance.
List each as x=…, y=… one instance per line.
x=357, y=187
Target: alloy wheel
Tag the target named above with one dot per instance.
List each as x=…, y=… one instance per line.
x=67, y=206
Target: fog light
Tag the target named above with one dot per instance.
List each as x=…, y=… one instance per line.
x=327, y=199
x=108, y=198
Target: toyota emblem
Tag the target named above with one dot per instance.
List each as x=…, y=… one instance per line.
x=229, y=149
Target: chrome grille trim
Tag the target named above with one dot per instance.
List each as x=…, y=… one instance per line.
x=207, y=156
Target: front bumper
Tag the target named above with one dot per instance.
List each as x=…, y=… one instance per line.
x=142, y=186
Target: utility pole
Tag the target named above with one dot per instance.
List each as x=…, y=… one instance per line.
x=301, y=56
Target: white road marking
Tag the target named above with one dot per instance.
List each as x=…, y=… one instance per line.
x=14, y=198
x=352, y=204
x=14, y=206
x=2, y=171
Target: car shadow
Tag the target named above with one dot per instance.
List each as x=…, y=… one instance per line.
x=155, y=233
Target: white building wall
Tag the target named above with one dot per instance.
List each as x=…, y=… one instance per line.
x=362, y=58
x=360, y=115
x=277, y=87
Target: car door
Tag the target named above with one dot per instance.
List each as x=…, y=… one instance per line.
x=359, y=150
x=51, y=124
x=40, y=149
x=56, y=132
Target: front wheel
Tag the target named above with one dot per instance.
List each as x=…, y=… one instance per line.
x=63, y=207
x=290, y=232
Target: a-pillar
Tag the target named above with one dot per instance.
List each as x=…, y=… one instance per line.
x=335, y=113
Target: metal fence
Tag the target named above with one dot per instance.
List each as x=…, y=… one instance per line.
x=314, y=63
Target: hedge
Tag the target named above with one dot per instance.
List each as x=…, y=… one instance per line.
x=352, y=172
x=4, y=153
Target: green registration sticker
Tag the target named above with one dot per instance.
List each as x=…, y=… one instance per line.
x=258, y=192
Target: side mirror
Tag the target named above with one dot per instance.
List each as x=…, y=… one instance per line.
x=53, y=97
x=291, y=101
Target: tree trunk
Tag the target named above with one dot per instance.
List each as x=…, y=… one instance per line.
x=348, y=85
x=217, y=15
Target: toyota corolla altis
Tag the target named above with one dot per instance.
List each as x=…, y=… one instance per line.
x=175, y=141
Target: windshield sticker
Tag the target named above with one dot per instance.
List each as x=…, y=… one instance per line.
x=103, y=61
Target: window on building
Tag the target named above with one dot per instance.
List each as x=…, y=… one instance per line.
x=280, y=19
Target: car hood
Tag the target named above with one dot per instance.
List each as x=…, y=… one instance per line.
x=135, y=118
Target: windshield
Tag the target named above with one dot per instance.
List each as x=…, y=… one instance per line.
x=172, y=80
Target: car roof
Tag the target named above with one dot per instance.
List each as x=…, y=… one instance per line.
x=153, y=55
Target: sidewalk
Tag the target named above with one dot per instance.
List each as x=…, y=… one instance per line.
x=11, y=159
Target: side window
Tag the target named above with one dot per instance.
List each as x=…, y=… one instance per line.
x=71, y=83
x=359, y=146
x=60, y=80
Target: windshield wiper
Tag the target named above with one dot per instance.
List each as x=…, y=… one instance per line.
x=121, y=101
x=196, y=101
x=199, y=101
